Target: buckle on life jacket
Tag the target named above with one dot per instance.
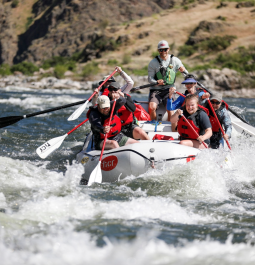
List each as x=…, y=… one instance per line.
x=112, y=125
x=184, y=127
x=185, y=135
x=115, y=132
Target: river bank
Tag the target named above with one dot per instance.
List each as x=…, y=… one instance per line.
x=229, y=82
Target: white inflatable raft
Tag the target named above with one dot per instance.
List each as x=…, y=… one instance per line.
x=136, y=159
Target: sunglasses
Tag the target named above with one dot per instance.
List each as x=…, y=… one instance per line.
x=215, y=102
x=163, y=50
x=112, y=89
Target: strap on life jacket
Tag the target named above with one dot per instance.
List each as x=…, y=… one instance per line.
x=166, y=73
x=115, y=126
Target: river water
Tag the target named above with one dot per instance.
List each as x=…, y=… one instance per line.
x=200, y=213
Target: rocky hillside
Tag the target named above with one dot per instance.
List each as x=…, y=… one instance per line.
x=100, y=34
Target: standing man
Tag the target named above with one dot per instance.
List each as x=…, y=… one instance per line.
x=162, y=70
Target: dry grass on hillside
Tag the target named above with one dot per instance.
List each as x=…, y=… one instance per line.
x=175, y=25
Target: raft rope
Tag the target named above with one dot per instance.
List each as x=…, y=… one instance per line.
x=152, y=161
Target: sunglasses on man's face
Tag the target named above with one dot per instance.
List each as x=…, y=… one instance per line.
x=163, y=50
x=215, y=102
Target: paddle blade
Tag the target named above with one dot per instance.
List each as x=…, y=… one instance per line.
x=78, y=112
x=96, y=175
x=47, y=148
x=6, y=121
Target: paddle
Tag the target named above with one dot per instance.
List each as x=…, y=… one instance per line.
x=141, y=87
x=79, y=111
x=193, y=129
x=96, y=175
x=47, y=148
x=6, y=121
x=218, y=121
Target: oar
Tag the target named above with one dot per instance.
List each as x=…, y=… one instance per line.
x=79, y=111
x=180, y=94
x=231, y=110
x=47, y=148
x=218, y=121
x=141, y=87
x=96, y=175
x=193, y=129
x=6, y=121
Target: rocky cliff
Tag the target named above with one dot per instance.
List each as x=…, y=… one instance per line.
x=65, y=27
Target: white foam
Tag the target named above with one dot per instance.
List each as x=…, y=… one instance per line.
x=65, y=246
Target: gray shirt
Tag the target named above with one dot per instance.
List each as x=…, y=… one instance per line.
x=154, y=67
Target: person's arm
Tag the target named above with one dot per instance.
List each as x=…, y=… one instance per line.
x=226, y=122
x=176, y=104
x=152, y=67
x=95, y=121
x=205, y=124
x=175, y=117
x=130, y=105
x=207, y=135
x=119, y=103
x=94, y=99
x=129, y=82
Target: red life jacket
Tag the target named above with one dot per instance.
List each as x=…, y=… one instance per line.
x=141, y=114
x=184, y=129
x=115, y=126
x=105, y=92
x=125, y=115
x=215, y=125
x=162, y=137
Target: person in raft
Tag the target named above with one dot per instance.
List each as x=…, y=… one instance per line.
x=129, y=124
x=162, y=71
x=197, y=118
x=191, y=88
x=104, y=89
x=99, y=119
x=221, y=111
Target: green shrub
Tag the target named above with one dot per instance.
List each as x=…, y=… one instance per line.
x=186, y=50
x=68, y=62
x=5, y=69
x=26, y=68
x=29, y=22
x=112, y=62
x=216, y=43
x=154, y=54
x=14, y=3
x=242, y=61
x=142, y=71
x=90, y=69
x=126, y=58
x=60, y=70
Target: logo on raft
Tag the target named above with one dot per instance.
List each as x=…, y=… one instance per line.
x=190, y=158
x=109, y=163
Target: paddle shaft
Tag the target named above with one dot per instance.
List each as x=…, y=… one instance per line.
x=105, y=137
x=215, y=115
x=193, y=129
x=143, y=86
x=77, y=126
